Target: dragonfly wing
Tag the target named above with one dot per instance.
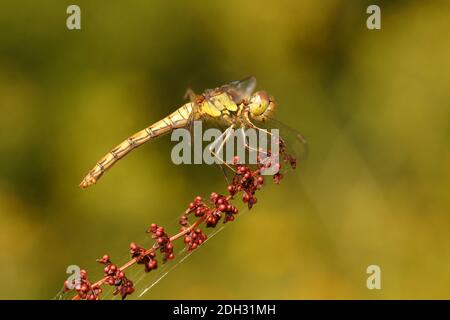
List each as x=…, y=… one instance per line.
x=292, y=141
x=241, y=89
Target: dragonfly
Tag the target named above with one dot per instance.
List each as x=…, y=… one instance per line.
x=232, y=105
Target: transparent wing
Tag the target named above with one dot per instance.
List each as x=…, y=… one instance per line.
x=295, y=141
x=293, y=147
x=241, y=89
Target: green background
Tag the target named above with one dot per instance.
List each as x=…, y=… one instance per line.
x=374, y=105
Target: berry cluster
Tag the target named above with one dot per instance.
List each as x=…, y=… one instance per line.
x=198, y=207
x=287, y=158
x=193, y=238
x=222, y=205
x=115, y=276
x=248, y=182
x=125, y=288
x=147, y=259
x=211, y=215
x=83, y=287
x=163, y=241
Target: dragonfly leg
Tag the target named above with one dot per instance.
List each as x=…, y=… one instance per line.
x=227, y=133
x=252, y=125
x=191, y=95
x=250, y=148
x=224, y=173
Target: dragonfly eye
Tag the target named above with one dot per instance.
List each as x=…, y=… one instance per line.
x=261, y=105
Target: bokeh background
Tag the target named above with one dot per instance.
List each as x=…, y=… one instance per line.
x=374, y=105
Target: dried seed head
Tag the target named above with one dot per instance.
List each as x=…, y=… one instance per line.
x=247, y=179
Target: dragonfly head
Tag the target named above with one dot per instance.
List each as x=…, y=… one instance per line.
x=261, y=105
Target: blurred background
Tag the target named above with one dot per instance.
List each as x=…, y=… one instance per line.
x=374, y=106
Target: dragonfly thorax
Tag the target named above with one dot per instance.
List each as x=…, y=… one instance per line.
x=218, y=105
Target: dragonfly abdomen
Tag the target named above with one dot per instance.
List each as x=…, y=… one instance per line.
x=177, y=119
